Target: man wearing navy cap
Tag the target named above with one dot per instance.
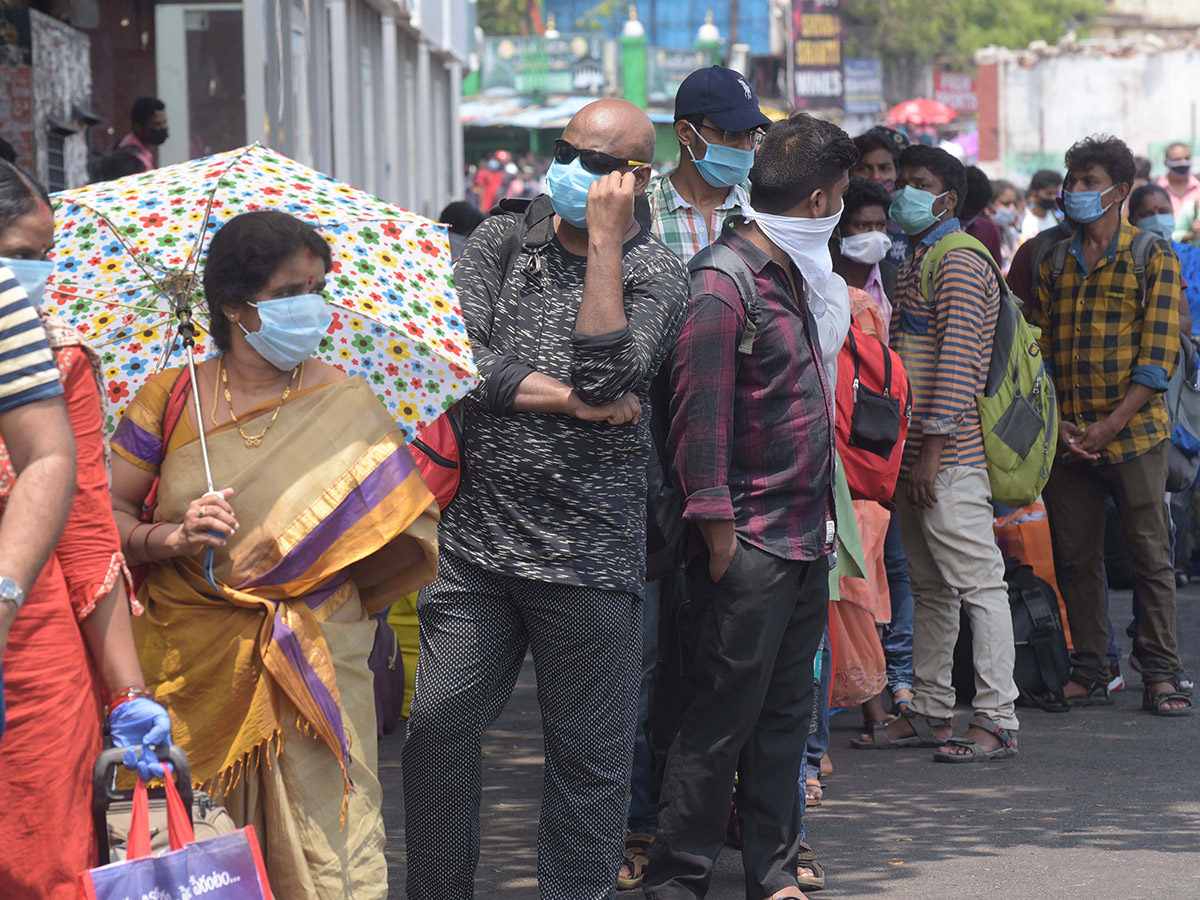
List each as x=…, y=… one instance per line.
x=718, y=125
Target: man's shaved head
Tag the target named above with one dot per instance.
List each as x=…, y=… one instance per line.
x=616, y=127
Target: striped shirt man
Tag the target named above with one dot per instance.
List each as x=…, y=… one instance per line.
x=945, y=342
x=27, y=369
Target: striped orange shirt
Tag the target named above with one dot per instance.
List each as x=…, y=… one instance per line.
x=946, y=344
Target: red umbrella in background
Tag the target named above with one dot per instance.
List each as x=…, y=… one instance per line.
x=921, y=112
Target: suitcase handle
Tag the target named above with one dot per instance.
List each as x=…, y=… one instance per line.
x=104, y=789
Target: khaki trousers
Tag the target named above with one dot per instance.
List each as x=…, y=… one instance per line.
x=954, y=563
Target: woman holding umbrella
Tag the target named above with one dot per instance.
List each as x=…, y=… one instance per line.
x=258, y=596
x=71, y=647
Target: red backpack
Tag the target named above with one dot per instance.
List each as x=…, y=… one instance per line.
x=436, y=453
x=874, y=406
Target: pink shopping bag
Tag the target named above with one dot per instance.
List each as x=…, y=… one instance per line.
x=227, y=867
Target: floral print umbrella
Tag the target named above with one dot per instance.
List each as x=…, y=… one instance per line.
x=125, y=248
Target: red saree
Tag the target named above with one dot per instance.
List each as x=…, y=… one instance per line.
x=52, y=689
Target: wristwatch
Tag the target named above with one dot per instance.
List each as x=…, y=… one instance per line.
x=11, y=593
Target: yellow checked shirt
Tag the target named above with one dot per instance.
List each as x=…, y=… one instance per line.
x=1099, y=336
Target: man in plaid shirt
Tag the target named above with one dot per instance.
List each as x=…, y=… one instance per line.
x=751, y=447
x=1111, y=346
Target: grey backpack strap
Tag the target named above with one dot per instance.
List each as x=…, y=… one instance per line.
x=1060, y=259
x=723, y=259
x=1143, y=246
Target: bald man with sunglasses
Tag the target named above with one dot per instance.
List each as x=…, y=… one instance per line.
x=571, y=307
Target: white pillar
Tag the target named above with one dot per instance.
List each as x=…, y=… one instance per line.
x=340, y=105
x=457, y=163
x=424, y=142
x=254, y=63
x=393, y=152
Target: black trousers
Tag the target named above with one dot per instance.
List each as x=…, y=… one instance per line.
x=751, y=703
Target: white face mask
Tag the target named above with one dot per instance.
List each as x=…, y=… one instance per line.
x=868, y=247
x=805, y=240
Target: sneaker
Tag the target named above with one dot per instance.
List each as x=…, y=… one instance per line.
x=1118, y=680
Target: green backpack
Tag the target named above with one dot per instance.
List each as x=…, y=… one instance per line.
x=1017, y=409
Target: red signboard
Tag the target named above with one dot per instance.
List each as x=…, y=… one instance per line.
x=957, y=91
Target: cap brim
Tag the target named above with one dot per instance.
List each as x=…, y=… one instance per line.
x=739, y=119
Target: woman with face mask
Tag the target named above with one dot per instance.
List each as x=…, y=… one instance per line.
x=258, y=597
x=861, y=244
x=70, y=647
x=1150, y=210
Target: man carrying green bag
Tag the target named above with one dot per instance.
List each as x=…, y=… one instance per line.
x=945, y=336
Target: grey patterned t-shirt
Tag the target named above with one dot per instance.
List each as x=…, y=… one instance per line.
x=550, y=497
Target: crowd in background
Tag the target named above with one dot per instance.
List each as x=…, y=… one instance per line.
x=729, y=465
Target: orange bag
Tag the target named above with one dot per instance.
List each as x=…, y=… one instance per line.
x=1029, y=541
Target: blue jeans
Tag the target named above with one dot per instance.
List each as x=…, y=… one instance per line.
x=643, y=816
x=898, y=637
x=818, y=738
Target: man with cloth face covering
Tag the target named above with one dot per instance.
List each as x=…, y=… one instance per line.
x=752, y=450
x=570, y=306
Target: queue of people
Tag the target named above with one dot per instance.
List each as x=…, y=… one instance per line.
x=652, y=469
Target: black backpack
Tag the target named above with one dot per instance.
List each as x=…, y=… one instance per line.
x=1043, y=665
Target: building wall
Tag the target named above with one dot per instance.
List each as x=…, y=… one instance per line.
x=62, y=83
x=1043, y=105
x=366, y=90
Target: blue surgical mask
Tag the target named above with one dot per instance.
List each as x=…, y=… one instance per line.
x=912, y=209
x=1086, y=206
x=1162, y=224
x=568, y=189
x=32, y=273
x=291, y=329
x=722, y=166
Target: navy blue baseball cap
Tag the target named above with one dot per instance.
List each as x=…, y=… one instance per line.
x=724, y=96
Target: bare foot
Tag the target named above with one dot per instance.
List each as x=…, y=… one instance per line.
x=1166, y=687
x=1073, y=690
x=872, y=711
x=983, y=739
x=789, y=893
x=902, y=695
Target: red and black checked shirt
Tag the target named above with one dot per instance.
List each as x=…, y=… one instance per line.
x=752, y=436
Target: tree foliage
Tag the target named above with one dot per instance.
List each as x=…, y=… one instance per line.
x=502, y=17
x=949, y=32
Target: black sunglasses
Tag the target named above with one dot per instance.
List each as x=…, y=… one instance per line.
x=595, y=161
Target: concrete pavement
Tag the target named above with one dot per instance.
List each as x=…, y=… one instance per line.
x=1102, y=804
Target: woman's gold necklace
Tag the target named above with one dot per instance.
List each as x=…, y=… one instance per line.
x=251, y=440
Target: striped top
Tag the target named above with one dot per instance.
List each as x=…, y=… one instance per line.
x=680, y=225
x=946, y=344
x=27, y=369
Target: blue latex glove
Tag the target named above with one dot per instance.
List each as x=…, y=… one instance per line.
x=142, y=724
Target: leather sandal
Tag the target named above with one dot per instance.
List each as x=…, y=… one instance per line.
x=1154, y=702
x=924, y=736
x=1006, y=750
x=1097, y=693
x=637, y=855
x=807, y=859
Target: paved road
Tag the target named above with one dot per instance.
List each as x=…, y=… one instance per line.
x=1102, y=804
